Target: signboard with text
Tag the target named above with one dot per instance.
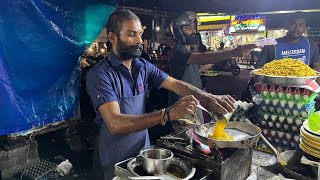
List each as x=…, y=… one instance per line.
x=243, y=23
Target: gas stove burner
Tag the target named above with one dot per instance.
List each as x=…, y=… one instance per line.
x=178, y=169
x=225, y=164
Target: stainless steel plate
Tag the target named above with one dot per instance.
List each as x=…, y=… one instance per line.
x=284, y=80
x=245, y=135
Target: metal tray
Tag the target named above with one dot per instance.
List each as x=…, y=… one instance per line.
x=284, y=80
x=245, y=135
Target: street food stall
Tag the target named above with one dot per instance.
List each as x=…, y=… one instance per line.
x=281, y=112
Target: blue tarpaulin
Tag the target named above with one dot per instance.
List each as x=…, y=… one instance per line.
x=40, y=42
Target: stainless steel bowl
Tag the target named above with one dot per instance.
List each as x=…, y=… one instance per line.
x=155, y=160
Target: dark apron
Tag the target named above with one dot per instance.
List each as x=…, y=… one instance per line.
x=113, y=148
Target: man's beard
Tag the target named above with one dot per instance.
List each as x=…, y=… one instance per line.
x=128, y=52
x=192, y=39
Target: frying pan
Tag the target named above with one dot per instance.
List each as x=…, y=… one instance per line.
x=245, y=135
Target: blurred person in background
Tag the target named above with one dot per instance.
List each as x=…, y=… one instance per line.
x=184, y=64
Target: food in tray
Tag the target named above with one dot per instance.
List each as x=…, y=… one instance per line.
x=286, y=67
x=218, y=132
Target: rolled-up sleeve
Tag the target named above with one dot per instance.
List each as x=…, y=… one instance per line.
x=100, y=88
x=155, y=76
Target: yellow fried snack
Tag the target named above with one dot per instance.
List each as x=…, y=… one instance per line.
x=286, y=67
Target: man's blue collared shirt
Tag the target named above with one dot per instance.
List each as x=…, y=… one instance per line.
x=103, y=83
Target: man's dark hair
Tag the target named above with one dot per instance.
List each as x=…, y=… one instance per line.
x=117, y=18
x=297, y=15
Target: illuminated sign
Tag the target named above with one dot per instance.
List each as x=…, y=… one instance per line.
x=247, y=23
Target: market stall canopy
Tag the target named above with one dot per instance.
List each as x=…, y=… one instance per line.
x=230, y=6
x=40, y=42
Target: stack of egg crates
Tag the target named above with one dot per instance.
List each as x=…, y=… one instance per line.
x=282, y=112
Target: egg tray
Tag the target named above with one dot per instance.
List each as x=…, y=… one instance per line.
x=282, y=136
x=38, y=170
x=283, y=89
x=284, y=104
x=272, y=119
x=286, y=124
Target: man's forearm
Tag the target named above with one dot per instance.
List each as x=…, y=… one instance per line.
x=124, y=123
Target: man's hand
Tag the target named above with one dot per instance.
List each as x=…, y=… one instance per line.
x=186, y=105
x=220, y=103
x=244, y=50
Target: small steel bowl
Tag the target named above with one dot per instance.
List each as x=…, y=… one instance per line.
x=155, y=160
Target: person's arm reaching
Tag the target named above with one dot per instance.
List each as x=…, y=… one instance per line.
x=211, y=57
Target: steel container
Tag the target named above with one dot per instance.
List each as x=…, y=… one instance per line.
x=155, y=160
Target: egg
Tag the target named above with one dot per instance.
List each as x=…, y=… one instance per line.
x=288, y=136
x=286, y=127
x=296, y=138
x=287, y=112
x=271, y=109
x=278, y=125
x=293, y=145
x=298, y=122
x=265, y=93
x=295, y=113
x=272, y=94
x=279, y=110
x=304, y=114
x=275, y=102
x=305, y=97
x=282, y=118
x=285, y=142
x=273, y=132
x=263, y=123
x=294, y=128
x=276, y=141
x=274, y=117
x=266, y=116
x=280, y=94
x=299, y=106
x=267, y=101
x=280, y=134
x=297, y=97
x=290, y=104
x=264, y=108
x=270, y=124
x=265, y=131
x=289, y=120
x=283, y=103
x=288, y=95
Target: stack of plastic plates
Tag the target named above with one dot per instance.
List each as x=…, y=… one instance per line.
x=310, y=141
